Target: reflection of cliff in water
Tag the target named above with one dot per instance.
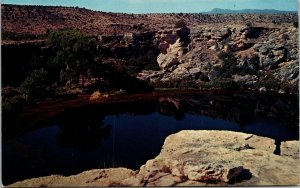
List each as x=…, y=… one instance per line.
x=172, y=106
x=240, y=109
x=82, y=129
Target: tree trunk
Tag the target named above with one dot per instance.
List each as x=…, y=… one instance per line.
x=82, y=82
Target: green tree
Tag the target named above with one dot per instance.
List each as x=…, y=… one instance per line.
x=37, y=85
x=77, y=55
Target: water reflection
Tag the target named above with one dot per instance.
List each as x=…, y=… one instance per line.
x=83, y=136
x=130, y=133
x=236, y=109
x=84, y=127
x=172, y=106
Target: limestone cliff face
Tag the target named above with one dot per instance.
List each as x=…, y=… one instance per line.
x=198, y=158
x=263, y=57
x=172, y=45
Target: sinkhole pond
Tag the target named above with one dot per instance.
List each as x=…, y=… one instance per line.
x=127, y=134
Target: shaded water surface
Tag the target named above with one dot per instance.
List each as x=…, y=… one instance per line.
x=128, y=134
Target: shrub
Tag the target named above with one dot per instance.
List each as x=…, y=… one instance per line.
x=226, y=41
x=143, y=62
x=204, y=78
x=180, y=24
x=220, y=83
x=249, y=24
x=97, y=95
x=13, y=104
x=224, y=84
x=229, y=66
x=37, y=85
x=295, y=24
x=268, y=81
x=285, y=37
x=289, y=88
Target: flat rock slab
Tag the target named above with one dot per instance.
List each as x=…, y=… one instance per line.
x=96, y=177
x=290, y=148
x=225, y=157
x=198, y=158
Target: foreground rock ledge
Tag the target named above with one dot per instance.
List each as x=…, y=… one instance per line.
x=198, y=158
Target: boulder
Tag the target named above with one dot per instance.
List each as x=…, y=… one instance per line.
x=195, y=71
x=163, y=46
x=256, y=47
x=214, y=47
x=262, y=89
x=290, y=148
x=180, y=72
x=263, y=50
x=166, y=60
x=173, y=45
x=225, y=32
x=247, y=79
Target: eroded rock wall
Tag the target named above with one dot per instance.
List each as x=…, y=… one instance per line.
x=261, y=57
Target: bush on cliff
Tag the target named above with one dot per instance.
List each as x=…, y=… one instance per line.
x=296, y=24
x=230, y=66
x=268, y=81
x=143, y=62
x=223, y=84
x=180, y=24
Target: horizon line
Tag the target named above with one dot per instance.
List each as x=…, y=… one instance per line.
x=208, y=11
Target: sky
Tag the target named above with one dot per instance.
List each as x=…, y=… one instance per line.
x=164, y=6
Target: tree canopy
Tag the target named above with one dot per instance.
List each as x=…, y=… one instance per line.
x=77, y=55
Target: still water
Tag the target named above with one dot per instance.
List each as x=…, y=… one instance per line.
x=128, y=134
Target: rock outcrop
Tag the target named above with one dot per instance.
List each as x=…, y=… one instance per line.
x=264, y=45
x=172, y=45
x=290, y=148
x=97, y=177
x=262, y=56
x=198, y=158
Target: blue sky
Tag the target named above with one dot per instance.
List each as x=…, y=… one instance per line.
x=163, y=6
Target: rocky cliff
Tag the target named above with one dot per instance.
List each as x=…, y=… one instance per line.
x=236, y=56
x=198, y=158
x=249, y=56
x=209, y=51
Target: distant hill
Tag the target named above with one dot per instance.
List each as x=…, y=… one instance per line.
x=19, y=21
x=248, y=11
